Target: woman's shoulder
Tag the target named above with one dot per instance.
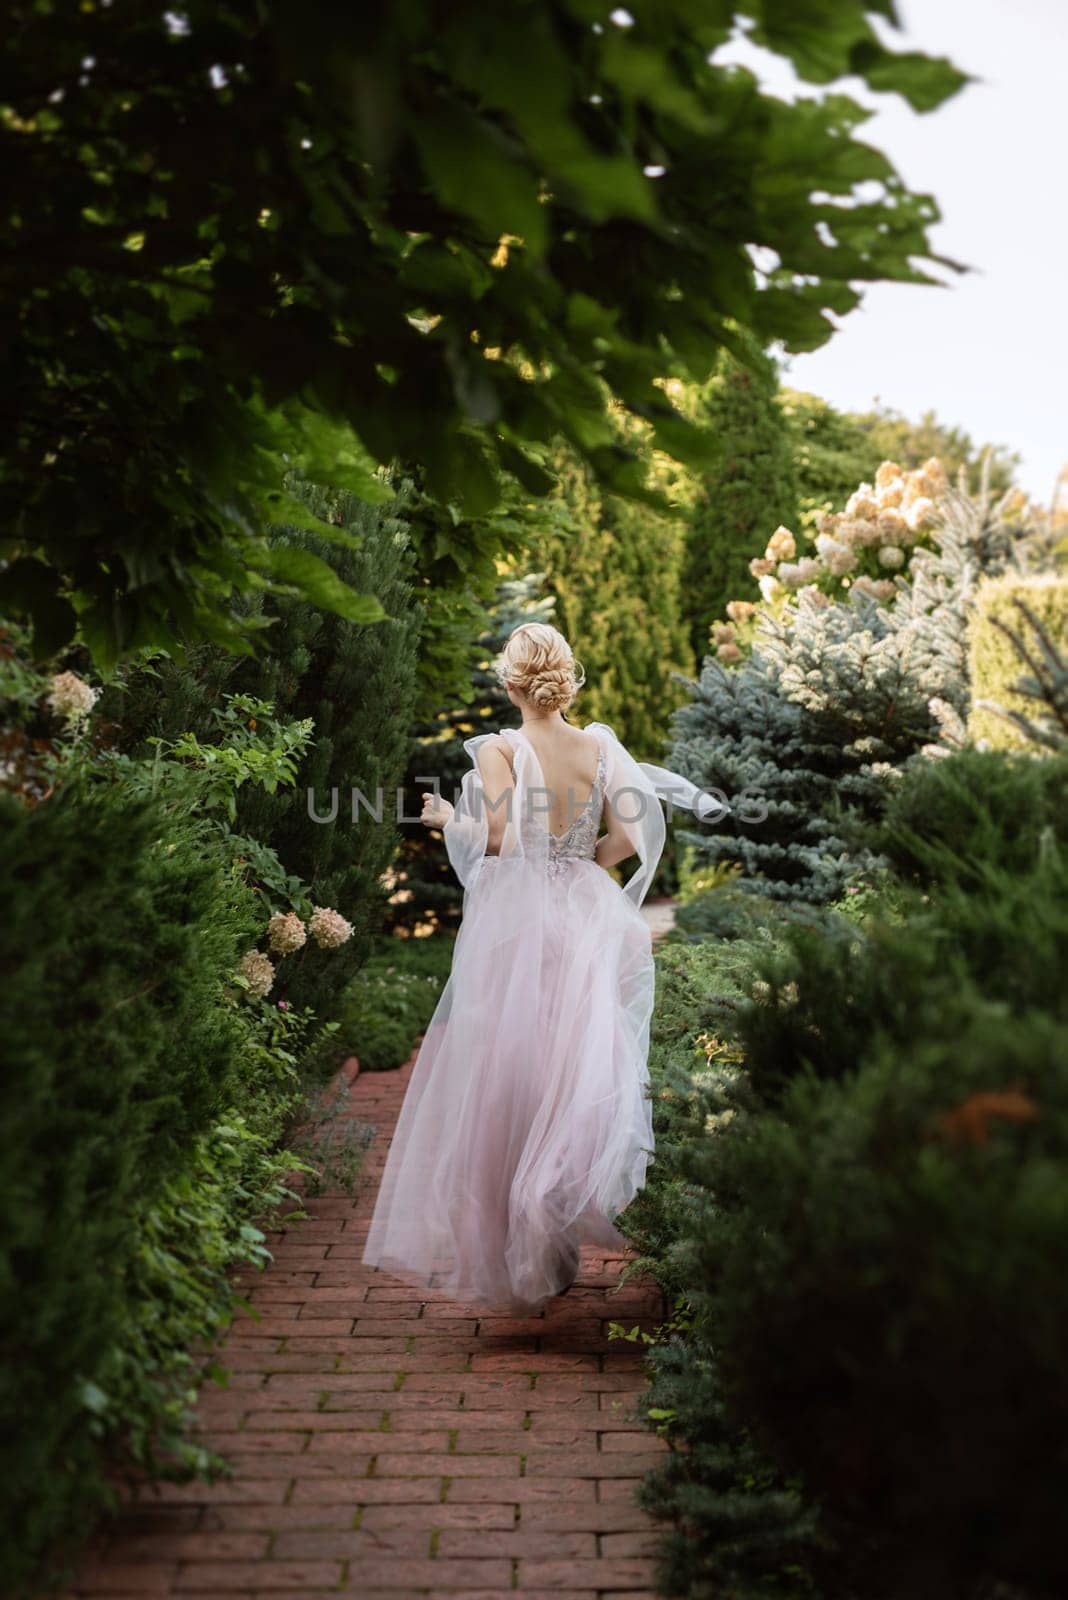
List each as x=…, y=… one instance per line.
x=495, y=744
x=602, y=732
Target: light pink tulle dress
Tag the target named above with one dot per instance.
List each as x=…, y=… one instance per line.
x=526, y=1127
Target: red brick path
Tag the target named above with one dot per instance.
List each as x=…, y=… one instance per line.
x=387, y=1443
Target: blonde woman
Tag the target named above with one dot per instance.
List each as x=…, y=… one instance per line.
x=526, y=1127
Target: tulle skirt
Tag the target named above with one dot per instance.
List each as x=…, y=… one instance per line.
x=527, y=1127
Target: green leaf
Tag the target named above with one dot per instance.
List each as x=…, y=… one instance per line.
x=644, y=72
x=319, y=583
x=534, y=478
x=287, y=511
x=925, y=81
x=480, y=174
x=30, y=586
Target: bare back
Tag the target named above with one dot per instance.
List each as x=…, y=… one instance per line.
x=568, y=760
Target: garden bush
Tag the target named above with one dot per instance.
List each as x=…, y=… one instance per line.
x=738, y=1526
x=956, y=819
x=996, y=665
x=116, y=933
x=352, y=683
x=149, y=1088
x=985, y=925
x=860, y=1216
x=888, y=1258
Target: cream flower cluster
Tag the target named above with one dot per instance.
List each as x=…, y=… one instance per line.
x=328, y=928
x=71, y=696
x=258, y=972
x=879, y=524
x=872, y=536
x=889, y=515
x=286, y=933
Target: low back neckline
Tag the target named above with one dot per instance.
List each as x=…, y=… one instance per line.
x=558, y=838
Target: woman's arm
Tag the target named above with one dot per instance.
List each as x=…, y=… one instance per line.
x=615, y=845
x=498, y=786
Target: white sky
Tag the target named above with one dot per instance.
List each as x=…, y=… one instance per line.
x=989, y=353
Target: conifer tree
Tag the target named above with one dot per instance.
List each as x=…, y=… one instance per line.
x=614, y=570
x=832, y=452
x=751, y=489
x=813, y=727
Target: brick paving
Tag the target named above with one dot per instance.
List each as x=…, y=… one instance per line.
x=386, y=1444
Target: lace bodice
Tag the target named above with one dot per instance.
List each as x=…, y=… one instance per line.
x=580, y=839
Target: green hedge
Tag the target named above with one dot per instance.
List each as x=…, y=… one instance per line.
x=737, y=1527
x=889, y=1266
x=124, y=1188
x=995, y=665
x=862, y=1214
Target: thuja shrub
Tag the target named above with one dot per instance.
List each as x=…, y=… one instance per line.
x=862, y=1223
x=117, y=931
x=882, y=1247
x=982, y=918
x=996, y=664
x=737, y=1525
x=957, y=819
x=887, y=1255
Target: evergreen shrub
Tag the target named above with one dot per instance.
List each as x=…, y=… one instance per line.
x=996, y=665
x=859, y=1208
x=888, y=1261
x=122, y=1057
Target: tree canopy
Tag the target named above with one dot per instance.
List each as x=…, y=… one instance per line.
x=245, y=236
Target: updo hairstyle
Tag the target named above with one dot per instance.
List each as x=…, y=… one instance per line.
x=537, y=663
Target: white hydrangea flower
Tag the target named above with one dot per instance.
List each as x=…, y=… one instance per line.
x=740, y=610
x=877, y=588
x=782, y=546
x=258, y=972
x=920, y=513
x=328, y=928
x=862, y=532
x=71, y=696
x=889, y=473
x=770, y=588
x=863, y=503
x=891, y=555
x=836, y=557
x=286, y=932
x=792, y=574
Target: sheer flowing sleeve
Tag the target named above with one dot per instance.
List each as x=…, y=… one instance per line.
x=635, y=790
x=466, y=832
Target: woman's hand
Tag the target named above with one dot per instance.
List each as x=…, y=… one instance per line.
x=436, y=811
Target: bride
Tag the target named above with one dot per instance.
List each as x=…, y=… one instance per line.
x=526, y=1127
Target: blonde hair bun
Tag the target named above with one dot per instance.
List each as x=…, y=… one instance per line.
x=537, y=662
